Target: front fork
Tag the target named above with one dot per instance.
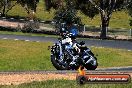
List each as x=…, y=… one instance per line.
x=60, y=53
x=73, y=58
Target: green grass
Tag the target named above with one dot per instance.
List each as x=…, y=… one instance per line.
x=119, y=19
x=21, y=55
x=66, y=84
x=29, y=34
x=41, y=13
x=108, y=57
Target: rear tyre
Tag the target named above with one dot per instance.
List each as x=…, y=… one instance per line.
x=90, y=66
x=74, y=67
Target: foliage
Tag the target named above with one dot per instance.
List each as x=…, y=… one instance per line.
x=52, y=4
x=6, y=5
x=86, y=7
x=31, y=4
x=30, y=26
x=93, y=7
x=67, y=14
x=129, y=8
x=105, y=8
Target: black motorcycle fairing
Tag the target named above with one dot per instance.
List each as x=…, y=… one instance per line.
x=67, y=55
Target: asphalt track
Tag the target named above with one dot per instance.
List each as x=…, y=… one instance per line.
x=116, y=69
x=98, y=70
x=89, y=42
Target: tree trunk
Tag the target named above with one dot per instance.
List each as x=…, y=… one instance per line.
x=4, y=7
x=104, y=27
x=3, y=13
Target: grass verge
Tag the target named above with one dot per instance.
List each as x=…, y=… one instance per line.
x=109, y=57
x=29, y=34
x=65, y=84
x=21, y=55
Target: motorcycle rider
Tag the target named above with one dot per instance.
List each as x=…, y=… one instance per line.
x=69, y=33
x=70, y=30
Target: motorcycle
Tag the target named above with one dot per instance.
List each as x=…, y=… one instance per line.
x=68, y=54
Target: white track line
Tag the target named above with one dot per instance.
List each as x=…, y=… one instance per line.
x=27, y=40
x=12, y=18
x=22, y=19
x=16, y=39
x=113, y=68
x=3, y=17
x=129, y=50
x=5, y=38
x=99, y=47
x=42, y=21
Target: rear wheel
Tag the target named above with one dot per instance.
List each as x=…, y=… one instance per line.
x=74, y=67
x=90, y=66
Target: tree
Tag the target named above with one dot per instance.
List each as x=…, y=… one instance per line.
x=68, y=15
x=129, y=8
x=104, y=7
x=53, y=4
x=30, y=7
x=29, y=4
x=6, y=5
x=3, y=4
x=94, y=7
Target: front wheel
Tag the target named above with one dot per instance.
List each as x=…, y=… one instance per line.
x=57, y=65
x=56, y=61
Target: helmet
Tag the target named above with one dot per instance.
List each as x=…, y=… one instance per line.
x=73, y=31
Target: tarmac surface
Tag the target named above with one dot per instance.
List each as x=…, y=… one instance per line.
x=89, y=42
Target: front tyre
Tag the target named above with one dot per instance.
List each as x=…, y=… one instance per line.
x=56, y=63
